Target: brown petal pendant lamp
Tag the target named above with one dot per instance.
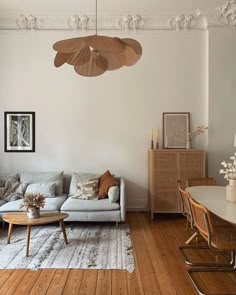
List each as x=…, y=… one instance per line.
x=93, y=55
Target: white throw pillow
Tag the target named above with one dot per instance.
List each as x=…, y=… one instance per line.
x=87, y=189
x=113, y=194
x=78, y=177
x=47, y=189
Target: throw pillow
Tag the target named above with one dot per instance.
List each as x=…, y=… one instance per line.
x=47, y=189
x=4, y=176
x=113, y=194
x=105, y=182
x=44, y=177
x=87, y=189
x=78, y=177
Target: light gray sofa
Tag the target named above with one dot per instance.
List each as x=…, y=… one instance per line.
x=78, y=210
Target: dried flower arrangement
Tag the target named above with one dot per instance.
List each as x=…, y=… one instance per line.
x=32, y=200
x=229, y=168
x=198, y=131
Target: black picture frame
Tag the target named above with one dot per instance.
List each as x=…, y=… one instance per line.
x=19, y=131
x=176, y=126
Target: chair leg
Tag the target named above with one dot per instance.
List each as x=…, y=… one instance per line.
x=193, y=236
x=207, y=264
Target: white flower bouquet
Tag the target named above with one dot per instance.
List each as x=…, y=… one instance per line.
x=229, y=168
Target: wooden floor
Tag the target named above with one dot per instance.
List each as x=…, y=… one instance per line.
x=159, y=268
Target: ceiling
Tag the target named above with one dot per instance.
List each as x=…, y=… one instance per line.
x=143, y=7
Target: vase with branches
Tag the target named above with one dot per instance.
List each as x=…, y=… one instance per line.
x=32, y=202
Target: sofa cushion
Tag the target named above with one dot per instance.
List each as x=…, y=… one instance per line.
x=105, y=182
x=47, y=189
x=44, y=177
x=2, y=202
x=73, y=204
x=5, y=176
x=76, y=177
x=113, y=194
x=51, y=204
x=87, y=189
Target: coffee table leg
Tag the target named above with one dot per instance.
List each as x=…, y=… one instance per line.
x=63, y=230
x=9, y=233
x=27, y=240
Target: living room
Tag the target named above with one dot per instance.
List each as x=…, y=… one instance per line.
x=94, y=124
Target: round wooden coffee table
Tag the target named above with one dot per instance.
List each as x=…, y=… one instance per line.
x=21, y=218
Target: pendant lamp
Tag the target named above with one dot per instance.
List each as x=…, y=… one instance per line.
x=94, y=55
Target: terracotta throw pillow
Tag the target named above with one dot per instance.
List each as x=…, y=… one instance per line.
x=105, y=182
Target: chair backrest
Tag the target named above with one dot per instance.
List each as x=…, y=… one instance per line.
x=185, y=201
x=200, y=181
x=202, y=219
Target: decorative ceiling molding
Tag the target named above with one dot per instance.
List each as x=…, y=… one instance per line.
x=223, y=16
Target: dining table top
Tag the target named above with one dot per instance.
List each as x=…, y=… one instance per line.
x=214, y=198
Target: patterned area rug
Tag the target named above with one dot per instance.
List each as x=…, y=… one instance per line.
x=91, y=246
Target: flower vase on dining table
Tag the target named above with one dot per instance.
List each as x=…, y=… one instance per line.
x=231, y=190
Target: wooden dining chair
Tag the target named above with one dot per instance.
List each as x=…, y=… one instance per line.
x=200, y=181
x=219, y=238
x=186, y=211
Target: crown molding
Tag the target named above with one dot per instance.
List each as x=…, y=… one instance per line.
x=223, y=16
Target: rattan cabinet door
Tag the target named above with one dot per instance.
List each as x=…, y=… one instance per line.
x=165, y=167
x=191, y=165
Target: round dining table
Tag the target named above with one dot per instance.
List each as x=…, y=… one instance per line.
x=214, y=198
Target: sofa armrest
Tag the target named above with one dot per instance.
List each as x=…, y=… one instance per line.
x=122, y=199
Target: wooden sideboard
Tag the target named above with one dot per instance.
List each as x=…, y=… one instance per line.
x=165, y=168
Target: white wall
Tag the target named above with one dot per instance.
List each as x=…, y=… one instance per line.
x=222, y=98
x=94, y=124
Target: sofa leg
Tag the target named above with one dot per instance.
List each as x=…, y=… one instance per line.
x=117, y=223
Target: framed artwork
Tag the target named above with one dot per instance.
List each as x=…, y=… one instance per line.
x=19, y=131
x=176, y=126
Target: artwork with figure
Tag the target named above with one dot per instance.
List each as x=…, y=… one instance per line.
x=175, y=130
x=19, y=131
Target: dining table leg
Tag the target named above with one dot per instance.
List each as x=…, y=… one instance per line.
x=63, y=230
x=9, y=233
x=27, y=240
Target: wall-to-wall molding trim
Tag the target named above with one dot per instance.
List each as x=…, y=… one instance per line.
x=222, y=16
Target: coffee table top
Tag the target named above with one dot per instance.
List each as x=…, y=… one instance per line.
x=21, y=218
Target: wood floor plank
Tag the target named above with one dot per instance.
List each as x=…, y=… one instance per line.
x=89, y=282
x=13, y=281
x=4, y=275
x=42, y=284
x=162, y=274
x=103, y=282
x=58, y=282
x=172, y=259
x=73, y=282
x=134, y=281
x=119, y=282
x=27, y=282
x=150, y=285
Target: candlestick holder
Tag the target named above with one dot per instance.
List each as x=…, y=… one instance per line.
x=157, y=145
x=152, y=144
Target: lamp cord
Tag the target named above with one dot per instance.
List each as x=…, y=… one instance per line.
x=96, y=17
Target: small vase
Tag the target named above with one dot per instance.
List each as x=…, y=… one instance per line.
x=231, y=190
x=33, y=212
x=188, y=145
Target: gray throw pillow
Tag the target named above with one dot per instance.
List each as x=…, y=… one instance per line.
x=47, y=189
x=44, y=177
x=113, y=194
